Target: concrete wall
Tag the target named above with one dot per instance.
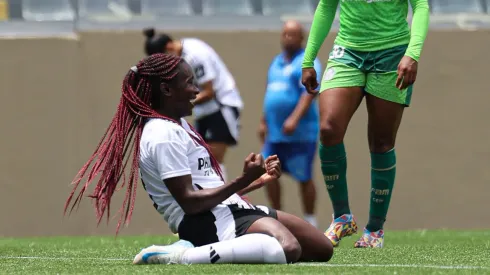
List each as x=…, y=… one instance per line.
x=58, y=96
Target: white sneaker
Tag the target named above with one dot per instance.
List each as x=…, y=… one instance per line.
x=167, y=254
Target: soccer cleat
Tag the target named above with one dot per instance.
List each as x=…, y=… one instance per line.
x=341, y=227
x=371, y=239
x=167, y=254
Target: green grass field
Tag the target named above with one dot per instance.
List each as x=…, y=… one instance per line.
x=413, y=252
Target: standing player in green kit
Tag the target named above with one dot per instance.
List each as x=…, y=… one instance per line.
x=375, y=55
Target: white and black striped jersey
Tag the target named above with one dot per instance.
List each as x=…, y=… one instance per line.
x=167, y=151
x=208, y=66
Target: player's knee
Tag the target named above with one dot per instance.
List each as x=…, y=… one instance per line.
x=326, y=253
x=292, y=249
x=331, y=132
x=381, y=145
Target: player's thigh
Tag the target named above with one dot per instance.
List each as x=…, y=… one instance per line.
x=385, y=102
x=269, y=225
x=297, y=159
x=384, y=119
x=341, y=92
x=315, y=246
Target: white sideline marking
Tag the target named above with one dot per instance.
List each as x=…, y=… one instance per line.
x=303, y=264
x=397, y=265
x=59, y=258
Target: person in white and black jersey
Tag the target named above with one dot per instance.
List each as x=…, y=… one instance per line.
x=218, y=105
x=184, y=180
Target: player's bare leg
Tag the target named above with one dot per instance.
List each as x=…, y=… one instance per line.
x=314, y=245
x=337, y=106
x=308, y=196
x=383, y=123
x=274, y=194
x=276, y=229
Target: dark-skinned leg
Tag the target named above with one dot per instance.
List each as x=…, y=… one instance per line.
x=314, y=245
x=383, y=123
x=337, y=106
x=269, y=226
x=384, y=119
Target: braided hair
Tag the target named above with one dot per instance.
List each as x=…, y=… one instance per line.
x=140, y=91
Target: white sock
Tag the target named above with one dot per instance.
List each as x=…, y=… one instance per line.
x=311, y=219
x=223, y=171
x=247, y=249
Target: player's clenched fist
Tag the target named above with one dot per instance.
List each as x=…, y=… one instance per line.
x=273, y=169
x=254, y=167
x=308, y=78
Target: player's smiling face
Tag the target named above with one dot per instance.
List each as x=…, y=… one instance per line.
x=184, y=92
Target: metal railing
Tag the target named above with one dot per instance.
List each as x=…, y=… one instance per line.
x=202, y=14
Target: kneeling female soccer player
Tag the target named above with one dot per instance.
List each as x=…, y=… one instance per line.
x=184, y=181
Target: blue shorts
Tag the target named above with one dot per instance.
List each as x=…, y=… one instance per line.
x=296, y=158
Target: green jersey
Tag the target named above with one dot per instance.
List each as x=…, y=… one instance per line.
x=370, y=25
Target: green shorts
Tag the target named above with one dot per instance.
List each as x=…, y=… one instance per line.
x=375, y=71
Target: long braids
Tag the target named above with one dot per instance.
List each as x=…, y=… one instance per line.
x=123, y=134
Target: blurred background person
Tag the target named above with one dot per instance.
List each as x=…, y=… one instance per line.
x=218, y=104
x=289, y=124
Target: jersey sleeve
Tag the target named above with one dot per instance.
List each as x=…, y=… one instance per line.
x=170, y=157
x=420, y=27
x=320, y=27
x=203, y=71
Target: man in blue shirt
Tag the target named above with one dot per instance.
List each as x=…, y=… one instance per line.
x=289, y=124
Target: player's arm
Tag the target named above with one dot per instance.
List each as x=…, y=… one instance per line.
x=306, y=98
x=174, y=170
x=198, y=201
x=252, y=187
x=273, y=168
x=408, y=67
x=320, y=27
x=205, y=74
x=420, y=27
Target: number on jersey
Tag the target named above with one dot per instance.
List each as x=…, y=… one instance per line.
x=337, y=52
